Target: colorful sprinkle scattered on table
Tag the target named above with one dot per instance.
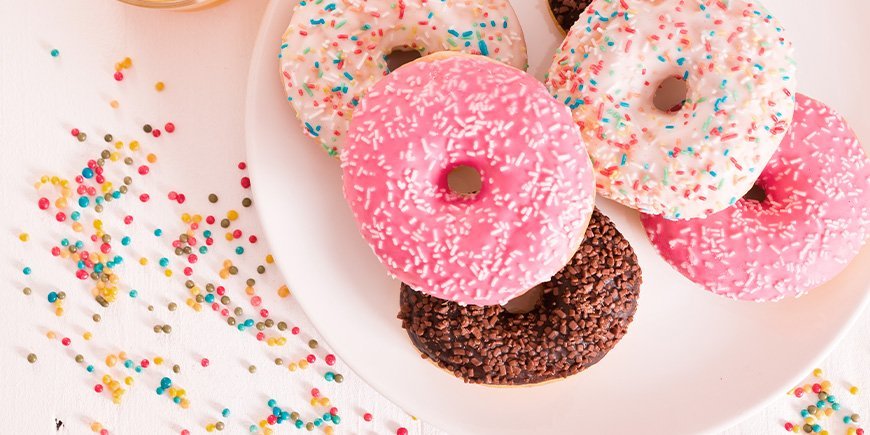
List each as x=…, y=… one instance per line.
x=96, y=230
x=822, y=411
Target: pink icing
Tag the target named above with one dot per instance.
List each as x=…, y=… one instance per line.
x=537, y=194
x=813, y=223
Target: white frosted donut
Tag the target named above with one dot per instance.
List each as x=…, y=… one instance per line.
x=334, y=50
x=736, y=64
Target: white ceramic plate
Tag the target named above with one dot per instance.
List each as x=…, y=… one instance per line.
x=691, y=361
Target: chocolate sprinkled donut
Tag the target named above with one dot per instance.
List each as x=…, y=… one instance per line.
x=583, y=312
x=566, y=12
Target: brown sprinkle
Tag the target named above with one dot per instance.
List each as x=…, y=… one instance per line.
x=566, y=12
x=584, y=310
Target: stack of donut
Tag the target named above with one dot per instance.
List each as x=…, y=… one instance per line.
x=476, y=188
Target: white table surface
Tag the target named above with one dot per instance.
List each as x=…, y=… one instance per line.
x=203, y=59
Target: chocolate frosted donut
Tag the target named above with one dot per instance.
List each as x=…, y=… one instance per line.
x=583, y=312
x=566, y=12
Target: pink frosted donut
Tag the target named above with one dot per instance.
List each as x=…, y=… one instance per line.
x=813, y=222
x=536, y=194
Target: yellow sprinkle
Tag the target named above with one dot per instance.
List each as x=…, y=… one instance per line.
x=60, y=203
x=197, y=218
x=128, y=380
x=87, y=335
x=324, y=401
x=229, y=237
x=152, y=158
x=111, y=360
x=209, y=427
x=303, y=364
x=143, y=261
x=829, y=412
x=817, y=373
x=292, y=367
x=224, y=274
x=134, y=145
x=232, y=215
x=127, y=62
x=24, y=237
x=227, y=263
x=283, y=291
x=96, y=427
x=167, y=272
x=58, y=311
x=98, y=223
x=824, y=432
x=270, y=259
x=826, y=385
x=250, y=291
x=51, y=335
x=158, y=360
x=853, y=390
x=185, y=218
x=77, y=227
x=114, y=104
x=159, y=86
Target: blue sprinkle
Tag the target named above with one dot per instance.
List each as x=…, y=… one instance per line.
x=484, y=50
x=311, y=130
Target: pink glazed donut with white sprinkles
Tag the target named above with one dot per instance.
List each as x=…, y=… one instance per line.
x=813, y=222
x=419, y=124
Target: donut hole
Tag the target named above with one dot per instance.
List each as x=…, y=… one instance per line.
x=464, y=180
x=757, y=193
x=671, y=94
x=525, y=302
x=401, y=56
